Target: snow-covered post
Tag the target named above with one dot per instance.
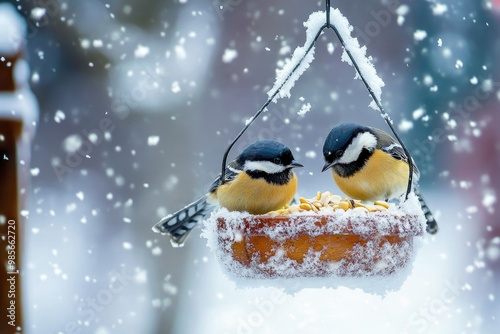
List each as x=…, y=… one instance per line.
x=18, y=112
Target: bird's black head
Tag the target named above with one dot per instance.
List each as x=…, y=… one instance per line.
x=269, y=152
x=268, y=159
x=347, y=147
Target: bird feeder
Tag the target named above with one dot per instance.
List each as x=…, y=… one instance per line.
x=346, y=242
x=332, y=241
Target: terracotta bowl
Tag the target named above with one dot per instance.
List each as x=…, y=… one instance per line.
x=311, y=244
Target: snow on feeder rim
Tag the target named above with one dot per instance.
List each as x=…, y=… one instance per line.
x=358, y=241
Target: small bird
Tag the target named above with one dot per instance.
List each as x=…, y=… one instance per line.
x=369, y=165
x=259, y=180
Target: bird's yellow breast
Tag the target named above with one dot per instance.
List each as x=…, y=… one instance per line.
x=381, y=178
x=256, y=196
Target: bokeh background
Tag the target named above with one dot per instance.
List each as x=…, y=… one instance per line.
x=176, y=81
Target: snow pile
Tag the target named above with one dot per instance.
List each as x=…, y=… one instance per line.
x=13, y=30
x=334, y=248
x=21, y=104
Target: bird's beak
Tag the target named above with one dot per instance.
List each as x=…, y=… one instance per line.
x=295, y=164
x=327, y=166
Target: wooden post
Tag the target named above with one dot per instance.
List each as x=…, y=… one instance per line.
x=10, y=229
x=17, y=120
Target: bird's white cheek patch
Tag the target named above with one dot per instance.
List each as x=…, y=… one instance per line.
x=264, y=166
x=362, y=140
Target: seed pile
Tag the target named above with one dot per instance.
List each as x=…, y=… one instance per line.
x=327, y=201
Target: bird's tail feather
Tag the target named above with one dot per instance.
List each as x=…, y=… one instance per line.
x=432, y=226
x=179, y=224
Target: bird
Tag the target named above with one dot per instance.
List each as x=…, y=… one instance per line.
x=369, y=165
x=259, y=180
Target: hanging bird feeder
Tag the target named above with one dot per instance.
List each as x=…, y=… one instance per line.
x=339, y=238
x=323, y=236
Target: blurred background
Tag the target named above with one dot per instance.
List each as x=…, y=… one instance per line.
x=138, y=101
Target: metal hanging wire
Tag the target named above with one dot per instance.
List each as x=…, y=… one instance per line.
x=385, y=115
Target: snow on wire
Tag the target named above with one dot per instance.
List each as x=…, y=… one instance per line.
x=304, y=55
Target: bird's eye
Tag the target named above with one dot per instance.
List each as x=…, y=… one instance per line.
x=277, y=161
x=339, y=153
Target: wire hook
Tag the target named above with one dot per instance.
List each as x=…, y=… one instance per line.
x=327, y=12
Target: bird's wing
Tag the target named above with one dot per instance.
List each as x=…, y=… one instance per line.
x=396, y=151
x=232, y=170
x=383, y=139
x=387, y=144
